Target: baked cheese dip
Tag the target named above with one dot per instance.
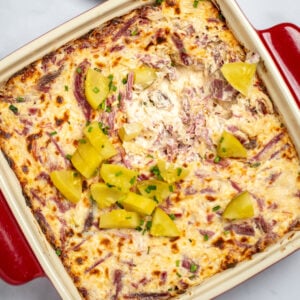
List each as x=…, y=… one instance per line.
x=150, y=152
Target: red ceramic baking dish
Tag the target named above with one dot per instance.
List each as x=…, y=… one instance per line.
x=25, y=252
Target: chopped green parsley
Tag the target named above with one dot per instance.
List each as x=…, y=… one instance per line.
x=172, y=216
x=195, y=3
x=193, y=268
x=13, y=108
x=150, y=188
x=215, y=208
x=20, y=99
x=179, y=171
x=53, y=133
x=132, y=180
x=217, y=159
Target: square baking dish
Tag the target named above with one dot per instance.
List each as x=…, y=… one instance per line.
x=283, y=87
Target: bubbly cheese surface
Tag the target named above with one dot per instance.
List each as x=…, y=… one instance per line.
x=182, y=113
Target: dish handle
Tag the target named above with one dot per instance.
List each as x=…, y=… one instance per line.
x=18, y=264
x=283, y=43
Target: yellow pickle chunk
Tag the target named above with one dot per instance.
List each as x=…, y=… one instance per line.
x=118, y=176
x=240, y=207
x=130, y=131
x=119, y=218
x=239, y=75
x=171, y=172
x=105, y=196
x=144, y=76
x=96, y=88
x=99, y=140
x=86, y=159
x=69, y=183
x=155, y=189
x=81, y=166
x=230, y=146
x=163, y=225
x=138, y=203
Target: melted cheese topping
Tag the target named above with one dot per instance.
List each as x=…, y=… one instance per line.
x=183, y=113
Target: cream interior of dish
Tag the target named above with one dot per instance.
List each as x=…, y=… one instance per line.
x=183, y=113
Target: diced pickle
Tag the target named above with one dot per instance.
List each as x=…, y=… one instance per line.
x=105, y=196
x=96, y=88
x=155, y=189
x=130, y=131
x=120, y=218
x=230, y=146
x=144, y=76
x=240, y=75
x=68, y=183
x=171, y=172
x=81, y=165
x=240, y=207
x=89, y=154
x=140, y=204
x=86, y=159
x=162, y=225
x=99, y=140
x=118, y=176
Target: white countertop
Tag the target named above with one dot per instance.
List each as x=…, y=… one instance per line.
x=21, y=21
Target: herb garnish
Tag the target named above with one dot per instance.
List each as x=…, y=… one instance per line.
x=193, y=268
x=58, y=252
x=172, y=217
x=195, y=4
x=124, y=80
x=119, y=173
x=103, y=128
x=82, y=141
x=118, y=203
x=215, y=208
x=178, y=274
x=150, y=188
x=96, y=90
x=14, y=109
x=132, y=180
x=217, y=159
x=53, y=133
x=134, y=32
x=111, y=86
x=146, y=227
x=155, y=171
x=20, y=99
x=255, y=165
x=205, y=237
x=119, y=97
x=139, y=228
x=179, y=171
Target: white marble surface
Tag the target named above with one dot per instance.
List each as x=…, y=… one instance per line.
x=21, y=21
